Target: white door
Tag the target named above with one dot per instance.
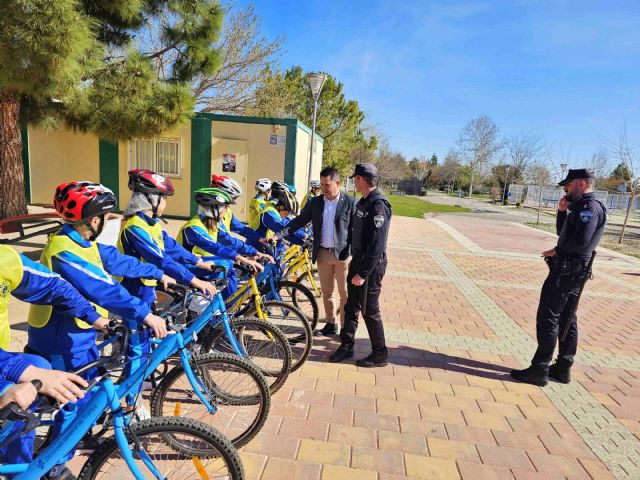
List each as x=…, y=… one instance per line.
x=229, y=157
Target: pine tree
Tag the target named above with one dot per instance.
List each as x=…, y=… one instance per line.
x=91, y=65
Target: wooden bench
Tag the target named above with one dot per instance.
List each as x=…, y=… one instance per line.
x=27, y=226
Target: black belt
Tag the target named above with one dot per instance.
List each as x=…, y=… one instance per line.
x=567, y=265
x=331, y=249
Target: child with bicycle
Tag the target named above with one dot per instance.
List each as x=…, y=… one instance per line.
x=33, y=283
x=69, y=343
x=202, y=236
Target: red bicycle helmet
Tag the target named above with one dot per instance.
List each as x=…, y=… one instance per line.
x=226, y=184
x=148, y=181
x=80, y=201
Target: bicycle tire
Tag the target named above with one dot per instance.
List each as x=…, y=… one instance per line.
x=239, y=417
x=300, y=296
x=275, y=368
x=213, y=449
x=304, y=280
x=295, y=327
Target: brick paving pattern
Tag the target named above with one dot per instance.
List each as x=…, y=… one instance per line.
x=459, y=305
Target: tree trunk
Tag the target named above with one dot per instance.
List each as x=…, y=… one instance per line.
x=12, y=199
x=632, y=197
x=470, y=185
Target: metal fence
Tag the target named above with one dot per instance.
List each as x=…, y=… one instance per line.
x=550, y=195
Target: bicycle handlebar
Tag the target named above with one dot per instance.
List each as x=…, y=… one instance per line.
x=13, y=412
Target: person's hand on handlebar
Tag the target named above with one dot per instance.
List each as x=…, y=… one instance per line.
x=101, y=324
x=264, y=255
x=255, y=266
x=24, y=394
x=157, y=324
x=205, y=265
x=167, y=281
x=205, y=287
x=62, y=386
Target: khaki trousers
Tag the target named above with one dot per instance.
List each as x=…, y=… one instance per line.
x=330, y=271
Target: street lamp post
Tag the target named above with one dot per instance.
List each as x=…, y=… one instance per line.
x=563, y=167
x=506, y=178
x=316, y=82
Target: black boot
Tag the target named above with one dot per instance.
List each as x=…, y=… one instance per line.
x=342, y=353
x=534, y=375
x=376, y=359
x=561, y=371
x=328, y=329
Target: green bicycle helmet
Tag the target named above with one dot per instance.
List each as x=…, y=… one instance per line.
x=212, y=197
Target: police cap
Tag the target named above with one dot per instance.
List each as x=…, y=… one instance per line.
x=578, y=173
x=365, y=170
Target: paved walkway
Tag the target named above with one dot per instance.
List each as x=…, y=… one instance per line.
x=459, y=303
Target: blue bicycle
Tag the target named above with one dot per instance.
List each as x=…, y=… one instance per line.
x=160, y=448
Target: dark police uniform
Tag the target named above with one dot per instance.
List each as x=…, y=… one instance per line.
x=580, y=229
x=369, y=233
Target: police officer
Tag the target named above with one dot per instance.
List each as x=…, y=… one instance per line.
x=580, y=222
x=368, y=237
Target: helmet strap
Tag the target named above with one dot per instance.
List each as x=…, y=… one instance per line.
x=96, y=233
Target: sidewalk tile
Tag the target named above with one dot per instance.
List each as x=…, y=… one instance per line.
x=474, y=471
x=357, y=377
x=430, y=468
x=365, y=437
x=414, y=396
x=300, y=428
x=556, y=464
x=279, y=469
x=334, y=472
x=379, y=460
x=508, y=457
x=253, y=464
x=432, y=386
x=443, y=414
x=376, y=421
x=330, y=414
x=273, y=445
x=485, y=420
x=470, y=434
x=476, y=393
x=404, y=442
x=324, y=452
x=312, y=397
x=400, y=409
x=374, y=391
x=423, y=427
x=452, y=449
x=354, y=402
x=523, y=440
x=335, y=386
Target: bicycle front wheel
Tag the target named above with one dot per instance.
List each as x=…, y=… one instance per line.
x=238, y=391
x=177, y=448
x=293, y=323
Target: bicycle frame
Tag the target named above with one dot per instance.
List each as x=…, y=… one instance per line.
x=107, y=396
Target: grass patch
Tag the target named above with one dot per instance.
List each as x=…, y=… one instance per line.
x=630, y=246
x=408, y=206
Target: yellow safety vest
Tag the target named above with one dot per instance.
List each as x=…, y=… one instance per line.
x=196, y=222
x=306, y=199
x=11, y=272
x=256, y=207
x=155, y=231
x=268, y=208
x=226, y=219
x=39, y=315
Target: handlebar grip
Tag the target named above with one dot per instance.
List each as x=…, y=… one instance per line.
x=36, y=383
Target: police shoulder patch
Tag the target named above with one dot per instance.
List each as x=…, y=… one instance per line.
x=586, y=215
x=378, y=220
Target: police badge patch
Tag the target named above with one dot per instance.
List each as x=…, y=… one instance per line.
x=586, y=216
x=378, y=221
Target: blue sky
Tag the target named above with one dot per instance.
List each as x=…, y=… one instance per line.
x=567, y=70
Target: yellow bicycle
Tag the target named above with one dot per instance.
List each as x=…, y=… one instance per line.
x=248, y=301
x=300, y=269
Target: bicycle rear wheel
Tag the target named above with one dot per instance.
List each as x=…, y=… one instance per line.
x=179, y=448
x=293, y=323
x=240, y=395
x=265, y=345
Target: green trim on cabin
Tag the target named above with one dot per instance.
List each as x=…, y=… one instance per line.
x=290, y=154
x=24, y=134
x=219, y=117
x=109, y=168
x=200, y=156
x=304, y=127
